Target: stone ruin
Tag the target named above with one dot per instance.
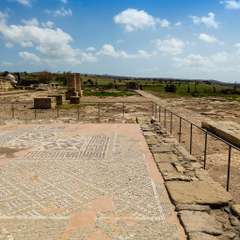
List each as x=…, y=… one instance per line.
x=227, y=130
x=74, y=91
x=43, y=103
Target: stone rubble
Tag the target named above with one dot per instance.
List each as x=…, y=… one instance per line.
x=204, y=208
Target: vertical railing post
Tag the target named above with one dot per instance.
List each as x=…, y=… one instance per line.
x=78, y=113
x=229, y=167
x=57, y=111
x=123, y=110
x=35, y=113
x=205, y=150
x=13, y=113
x=165, y=117
x=152, y=109
x=191, y=137
x=159, y=113
x=156, y=111
x=171, y=123
x=180, y=130
x=99, y=113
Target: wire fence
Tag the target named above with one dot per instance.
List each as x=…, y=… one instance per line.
x=85, y=111
x=219, y=157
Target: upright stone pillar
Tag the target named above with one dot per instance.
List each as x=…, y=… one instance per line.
x=72, y=87
x=78, y=84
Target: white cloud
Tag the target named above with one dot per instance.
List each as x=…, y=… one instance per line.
x=24, y=2
x=170, y=46
x=209, y=21
x=62, y=12
x=237, y=46
x=90, y=49
x=134, y=19
x=231, y=4
x=29, y=57
x=163, y=23
x=6, y=64
x=215, y=62
x=53, y=44
x=110, y=51
x=31, y=22
x=177, y=24
x=208, y=38
x=64, y=1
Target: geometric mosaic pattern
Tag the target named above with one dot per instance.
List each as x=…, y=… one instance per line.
x=85, y=186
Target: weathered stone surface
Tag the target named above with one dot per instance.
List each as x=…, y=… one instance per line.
x=162, y=149
x=165, y=157
x=170, y=173
x=193, y=207
x=236, y=209
x=230, y=131
x=74, y=100
x=166, y=168
x=151, y=140
x=185, y=153
x=179, y=167
x=234, y=221
x=176, y=177
x=200, y=222
x=42, y=103
x=198, y=192
x=201, y=236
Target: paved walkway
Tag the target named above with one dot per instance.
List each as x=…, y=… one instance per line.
x=81, y=182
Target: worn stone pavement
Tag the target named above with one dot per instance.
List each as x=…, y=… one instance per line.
x=88, y=181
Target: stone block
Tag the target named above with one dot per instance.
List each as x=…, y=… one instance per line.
x=198, y=192
x=151, y=140
x=236, y=209
x=58, y=99
x=43, y=103
x=193, y=207
x=165, y=157
x=74, y=100
x=200, y=222
x=201, y=236
x=229, y=131
x=70, y=93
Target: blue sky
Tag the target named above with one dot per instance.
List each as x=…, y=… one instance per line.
x=150, y=38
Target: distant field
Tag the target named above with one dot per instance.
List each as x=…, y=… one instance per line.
x=192, y=90
x=108, y=93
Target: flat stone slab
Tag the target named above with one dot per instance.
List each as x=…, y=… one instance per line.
x=87, y=182
x=200, y=222
x=202, y=236
x=236, y=209
x=165, y=157
x=193, y=207
x=229, y=131
x=198, y=192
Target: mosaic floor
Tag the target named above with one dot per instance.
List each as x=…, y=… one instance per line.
x=81, y=182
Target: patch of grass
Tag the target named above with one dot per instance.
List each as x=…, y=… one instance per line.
x=69, y=106
x=108, y=93
x=192, y=90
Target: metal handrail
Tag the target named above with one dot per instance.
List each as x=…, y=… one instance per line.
x=206, y=133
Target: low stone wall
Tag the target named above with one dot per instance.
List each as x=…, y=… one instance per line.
x=229, y=131
x=205, y=209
